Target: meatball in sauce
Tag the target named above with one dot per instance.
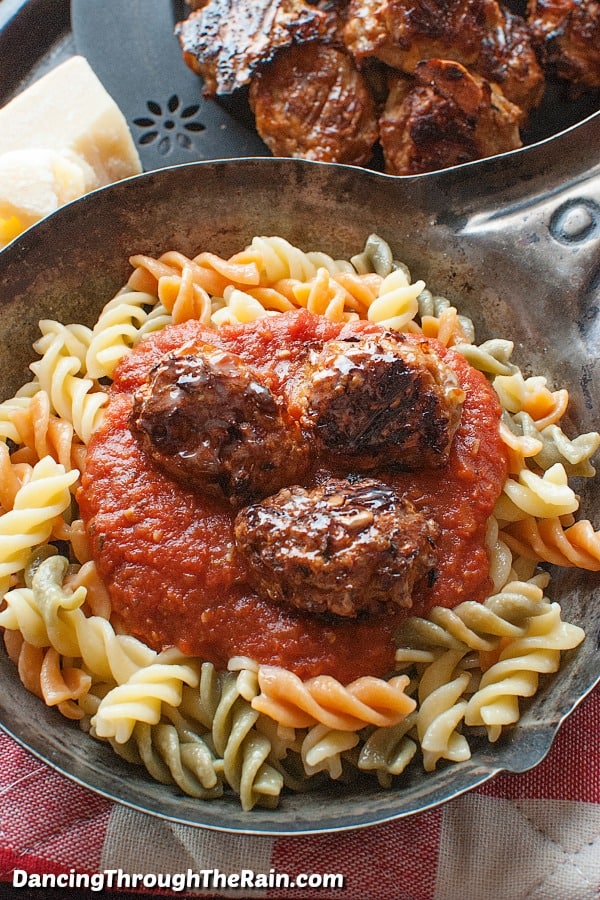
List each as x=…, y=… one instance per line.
x=347, y=547
x=168, y=551
x=208, y=419
x=381, y=401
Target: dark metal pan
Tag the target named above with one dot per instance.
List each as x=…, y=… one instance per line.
x=514, y=241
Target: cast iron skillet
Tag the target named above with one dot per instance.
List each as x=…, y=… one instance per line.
x=514, y=241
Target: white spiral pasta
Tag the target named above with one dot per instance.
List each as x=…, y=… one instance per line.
x=531, y=395
x=441, y=710
x=397, y=303
x=240, y=306
x=279, y=259
x=516, y=674
x=72, y=340
x=543, y=496
x=118, y=329
x=60, y=372
x=48, y=615
x=141, y=697
x=322, y=750
x=29, y=523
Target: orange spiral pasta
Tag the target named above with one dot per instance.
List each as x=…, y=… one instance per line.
x=323, y=700
x=548, y=540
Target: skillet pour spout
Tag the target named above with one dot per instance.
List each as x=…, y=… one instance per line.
x=512, y=241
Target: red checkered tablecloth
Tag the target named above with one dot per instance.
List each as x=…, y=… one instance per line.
x=534, y=836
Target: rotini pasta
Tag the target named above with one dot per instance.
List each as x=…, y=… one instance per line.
x=173, y=756
x=388, y=751
x=140, y=698
x=323, y=700
x=495, y=703
x=49, y=615
x=74, y=397
x=43, y=497
x=258, y=729
x=123, y=321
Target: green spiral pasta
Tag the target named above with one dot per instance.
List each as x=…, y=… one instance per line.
x=218, y=712
x=388, y=751
x=491, y=357
x=554, y=446
x=173, y=755
x=48, y=615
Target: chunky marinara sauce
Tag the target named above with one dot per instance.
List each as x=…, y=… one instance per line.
x=167, y=553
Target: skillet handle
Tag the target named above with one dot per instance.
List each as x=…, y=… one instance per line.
x=544, y=202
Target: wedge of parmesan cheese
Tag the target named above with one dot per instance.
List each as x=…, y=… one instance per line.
x=36, y=182
x=60, y=138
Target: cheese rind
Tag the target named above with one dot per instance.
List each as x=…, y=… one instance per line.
x=69, y=109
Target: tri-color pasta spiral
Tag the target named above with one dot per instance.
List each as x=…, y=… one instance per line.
x=260, y=730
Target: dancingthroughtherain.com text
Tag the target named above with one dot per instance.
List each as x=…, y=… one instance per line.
x=211, y=879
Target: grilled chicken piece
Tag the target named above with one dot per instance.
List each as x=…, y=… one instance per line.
x=207, y=419
x=225, y=40
x=380, y=401
x=477, y=33
x=345, y=547
x=311, y=102
x=445, y=117
x=568, y=34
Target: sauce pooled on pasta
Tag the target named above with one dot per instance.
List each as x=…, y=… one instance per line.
x=167, y=552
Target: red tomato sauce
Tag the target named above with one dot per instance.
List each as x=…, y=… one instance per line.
x=168, y=556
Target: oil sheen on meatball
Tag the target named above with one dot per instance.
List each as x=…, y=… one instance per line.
x=207, y=419
x=381, y=401
x=347, y=547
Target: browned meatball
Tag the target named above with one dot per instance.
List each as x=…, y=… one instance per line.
x=345, y=547
x=381, y=401
x=568, y=34
x=311, y=102
x=509, y=61
x=480, y=34
x=206, y=417
x=446, y=116
x=225, y=41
